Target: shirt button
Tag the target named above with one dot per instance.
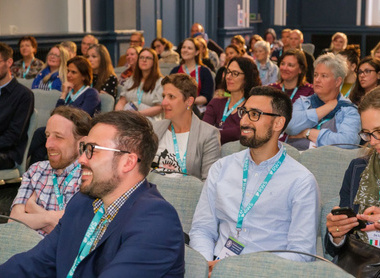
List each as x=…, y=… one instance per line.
x=256, y=174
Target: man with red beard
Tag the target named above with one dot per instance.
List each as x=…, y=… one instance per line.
x=260, y=198
x=118, y=224
x=48, y=185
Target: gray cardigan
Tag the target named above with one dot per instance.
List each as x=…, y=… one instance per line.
x=203, y=147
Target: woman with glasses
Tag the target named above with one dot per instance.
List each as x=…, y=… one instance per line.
x=325, y=117
x=104, y=79
x=191, y=64
x=186, y=144
x=164, y=49
x=29, y=66
x=55, y=71
x=292, y=81
x=143, y=92
x=360, y=187
x=368, y=78
x=240, y=77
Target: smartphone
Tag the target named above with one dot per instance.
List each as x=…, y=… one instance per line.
x=350, y=213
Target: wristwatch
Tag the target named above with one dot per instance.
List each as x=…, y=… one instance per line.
x=308, y=133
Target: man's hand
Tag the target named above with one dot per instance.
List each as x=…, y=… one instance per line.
x=211, y=265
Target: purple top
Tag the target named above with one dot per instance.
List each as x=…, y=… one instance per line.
x=305, y=90
x=230, y=130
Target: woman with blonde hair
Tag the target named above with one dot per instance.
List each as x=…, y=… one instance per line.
x=54, y=73
x=205, y=54
x=375, y=52
x=338, y=43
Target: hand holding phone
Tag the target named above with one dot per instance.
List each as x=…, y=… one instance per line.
x=350, y=213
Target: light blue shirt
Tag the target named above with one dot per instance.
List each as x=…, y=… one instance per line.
x=268, y=72
x=285, y=217
x=347, y=122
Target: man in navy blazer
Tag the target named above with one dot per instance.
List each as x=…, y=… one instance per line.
x=118, y=224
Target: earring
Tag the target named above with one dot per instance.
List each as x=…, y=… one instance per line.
x=188, y=108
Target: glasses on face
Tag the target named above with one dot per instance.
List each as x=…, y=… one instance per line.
x=146, y=58
x=365, y=72
x=89, y=150
x=53, y=55
x=366, y=136
x=253, y=114
x=234, y=73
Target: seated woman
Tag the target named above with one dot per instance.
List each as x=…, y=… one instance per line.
x=131, y=57
x=325, y=117
x=252, y=41
x=239, y=41
x=71, y=47
x=29, y=66
x=205, y=54
x=191, y=64
x=104, y=79
x=360, y=190
x=164, y=49
x=55, y=71
x=352, y=54
x=338, y=43
x=293, y=70
x=143, y=92
x=267, y=69
x=186, y=144
x=368, y=78
x=240, y=77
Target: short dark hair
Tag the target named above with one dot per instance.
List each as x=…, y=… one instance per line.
x=6, y=51
x=32, y=41
x=182, y=82
x=134, y=133
x=251, y=74
x=80, y=118
x=84, y=67
x=281, y=103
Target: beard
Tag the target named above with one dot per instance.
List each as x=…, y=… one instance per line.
x=254, y=141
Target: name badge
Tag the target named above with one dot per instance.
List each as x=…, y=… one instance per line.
x=232, y=248
x=374, y=238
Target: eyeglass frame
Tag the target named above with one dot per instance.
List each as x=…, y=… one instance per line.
x=146, y=58
x=83, y=148
x=363, y=133
x=243, y=109
x=234, y=73
x=365, y=72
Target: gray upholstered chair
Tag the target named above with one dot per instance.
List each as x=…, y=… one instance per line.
x=326, y=209
x=195, y=264
x=264, y=264
x=16, y=237
x=107, y=103
x=45, y=102
x=119, y=70
x=26, y=82
x=166, y=68
x=14, y=175
x=183, y=193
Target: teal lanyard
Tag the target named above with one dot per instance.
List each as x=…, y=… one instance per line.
x=27, y=70
x=139, y=95
x=294, y=91
x=72, y=97
x=59, y=193
x=348, y=92
x=227, y=112
x=321, y=123
x=88, y=240
x=243, y=211
x=181, y=162
x=196, y=72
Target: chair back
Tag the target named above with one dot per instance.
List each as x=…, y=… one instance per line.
x=45, y=102
x=195, y=264
x=166, y=68
x=183, y=193
x=309, y=48
x=326, y=209
x=26, y=82
x=119, y=70
x=107, y=103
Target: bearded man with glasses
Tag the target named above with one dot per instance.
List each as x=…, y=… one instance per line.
x=260, y=198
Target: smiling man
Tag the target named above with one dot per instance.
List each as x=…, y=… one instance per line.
x=118, y=224
x=48, y=185
x=279, y=209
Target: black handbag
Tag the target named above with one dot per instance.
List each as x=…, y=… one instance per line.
x=359, y=258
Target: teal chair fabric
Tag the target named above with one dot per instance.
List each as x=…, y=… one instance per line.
x=183, y=193
x=265, y=265
x=107, y=103
x=15, y=238
x=195, y=264
x=326, y=209
x=9, y=175
x=44, y=102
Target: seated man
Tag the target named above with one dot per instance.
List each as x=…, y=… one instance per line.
x=48, y=185
x=326, y=117
x=16, y=107
x=87, y=41
x=279, y=209
x=118, y=224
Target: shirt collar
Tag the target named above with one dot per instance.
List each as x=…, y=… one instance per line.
x=1, y=87
x=68, y=169
x=269, y=162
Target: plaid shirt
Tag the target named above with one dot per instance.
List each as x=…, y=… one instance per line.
x=39, y=179
x=110, y=212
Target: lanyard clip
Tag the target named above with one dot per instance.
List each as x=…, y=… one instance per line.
x=238, y=232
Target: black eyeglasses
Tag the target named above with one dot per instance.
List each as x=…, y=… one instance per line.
x=233, y=73
x=366, y=136
x=365, y=72
x=253, y=114
x=89, y=150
